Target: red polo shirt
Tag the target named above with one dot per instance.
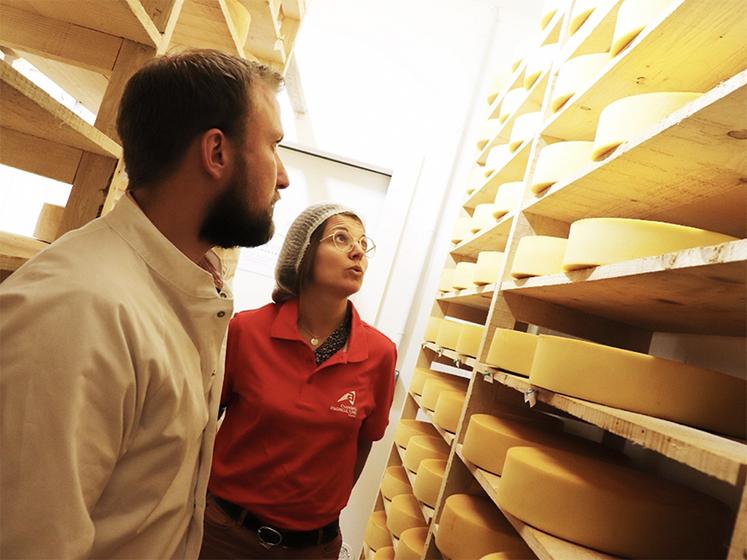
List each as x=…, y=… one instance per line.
x=287, y=447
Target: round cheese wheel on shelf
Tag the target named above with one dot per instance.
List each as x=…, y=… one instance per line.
x=448, y=333
x=582, y=9
x=461, y=229
x=424, y=447
x=559, y=162
x=574, y=75
x=550, y=9
x=525, y=127
x=539, y=62
x=409, y=428
x=48, y=222
x=512, y=351
x=642, y=383
x=476, y=179
x=599, y=241
x=433, y=387
x=471, y=527
x=469, y=339
x=507, y=198
x=377, y=535
x=482, y=218
x=446, y=281
x=386, y=553
x=431, y=329
x=395, y=482
x=615, y=509
x=448, y=410
x=632, y=18
x=489, y=264
x=404, y=513
x=497, y=84
x=632, y=116
x=464, y=272
x=497, y=158
x=511, y=102
x=428, y=481
x=508, y=556
x=488, y=130
x=537, y=255
x=411, y=544
x=421, y=375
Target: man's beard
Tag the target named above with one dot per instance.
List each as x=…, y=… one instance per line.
x=230, y=223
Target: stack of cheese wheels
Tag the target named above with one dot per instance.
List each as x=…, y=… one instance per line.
x=574, y=75
x=632, y=18
x=525, y=127
x=48, y=222
x=431, y=329
x=461, y=229
x=615, y=509
x=449, y=410
x=537, y=255
x=482, y=218
x=507, y=198
x=395, y=482
x=582, y=9
x=404, y=513
x=511, y=102
x=377, y=535
x=631, y=116
x=550, y=9
x=488, y=130
x=411, y=544
x=433, y=388
x=446, y=282
x=471, y=526
x=539, y=62
x=448, y=333
x=497, y=159
x=488, y=267
x=464, y=272
x=424, y=447
x=641, y=383
x=512, y=351
x=560, y=161
x=428, y=480
x=386, y=553
x=409, y=428
x=598, y=241
x=476, y=179
x=421, y=375
x=469, y=339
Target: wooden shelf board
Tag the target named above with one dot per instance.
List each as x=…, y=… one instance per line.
x=451, y=354
x=448, y=436
x=516, y=78
x=294, y=8
x=689, y=160
x=15, y=250
x=701, y=290
x=720, y=457
x=696, y=46
x=513, y=170
x=490, y=239
x=203, y=24
x=545, y=546
x=479, y=298
x=265, y=39
x=28, y=109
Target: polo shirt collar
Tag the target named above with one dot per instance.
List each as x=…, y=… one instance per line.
x=284, y=326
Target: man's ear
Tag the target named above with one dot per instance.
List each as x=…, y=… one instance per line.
x=214, y=153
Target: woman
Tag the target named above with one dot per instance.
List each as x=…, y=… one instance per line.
x=308, y=388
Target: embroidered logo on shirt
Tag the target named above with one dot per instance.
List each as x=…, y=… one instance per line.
x=350, y=409
x=349, y=396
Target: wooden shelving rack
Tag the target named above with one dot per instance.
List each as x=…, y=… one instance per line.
x=90, y=48
x=688, y=169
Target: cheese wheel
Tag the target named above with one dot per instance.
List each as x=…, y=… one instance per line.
x=469, y=339
x=48, y=222
x=497, y=84
x=482, y=218
x=404, y=513
x=476, y=179
x=511, y=102
x=549, y=9
x=421, y=375
x=525, y=127
x=641, y=383
x=582, y=9
x=575, y=75
x=408, y=428
x=377, y=535
x=512, y=351
x=461, y=229
x=395, y=482
x=632, y=18
x=599, y=241
x=433, y=387
x=448, y=410
x=487, y=132
x=507, y=198
x=446, y=281
x=497, y=158
x=464, y=272
x=428, y=481
x=507, y=556
x=431, y=329
x=386, y=553
x=471, y=526
x=411, y=544
x=537, y=255
x=632, y=116
x=560, y=161
x=424, y=447
x=448, y=333
x=539, y=62
x=615, y=509
x=489, y=264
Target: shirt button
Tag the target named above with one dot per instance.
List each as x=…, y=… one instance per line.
x=223, y=295
x=221, y=314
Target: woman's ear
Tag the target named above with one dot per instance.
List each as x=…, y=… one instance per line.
x=214, y=153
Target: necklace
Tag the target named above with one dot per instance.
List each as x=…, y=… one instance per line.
x=314, y=340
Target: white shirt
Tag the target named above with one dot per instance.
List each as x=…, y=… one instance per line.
x=111, y=366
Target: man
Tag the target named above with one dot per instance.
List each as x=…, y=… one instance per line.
x=112, y=338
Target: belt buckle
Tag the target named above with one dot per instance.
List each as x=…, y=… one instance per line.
x=270, y=538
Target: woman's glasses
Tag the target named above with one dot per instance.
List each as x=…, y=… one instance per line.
x=344, y=242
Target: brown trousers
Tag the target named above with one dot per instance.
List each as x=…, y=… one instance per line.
x=224, y=538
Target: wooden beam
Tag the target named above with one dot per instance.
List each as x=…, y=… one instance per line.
x=22, y=151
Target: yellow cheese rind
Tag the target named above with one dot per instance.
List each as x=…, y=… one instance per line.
x=421, y=375
x=539, y=62
x=395, y=482
x=461, y=229
x=632, y=116
x=507, y=198
x=574, y=76
x=497, y=158
x=431, y=329
x=411, y=544
x=615, y=509
x=446, y=281
x=404, y=513
x=476, y=179
x=424, y=447
x=599, y=241
x=469, y=339
x=663, y=388
x=549, y=9
x=377, y=535
x=433, y=387
x=512, y=351
x=386, y=553
x=559, y=162
x=632, y=18
x=525, y=126
x=511, y=102
x=464, y=272
x=408, y=428
x=448, y=410
x=505, y=556
x=489, y=264
x=582, y=9
x=497, y=84
x=471, y=527
x=482, y=218
x=537, y=255
x=488, y=130
x=428, y=480
x=448, y=333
